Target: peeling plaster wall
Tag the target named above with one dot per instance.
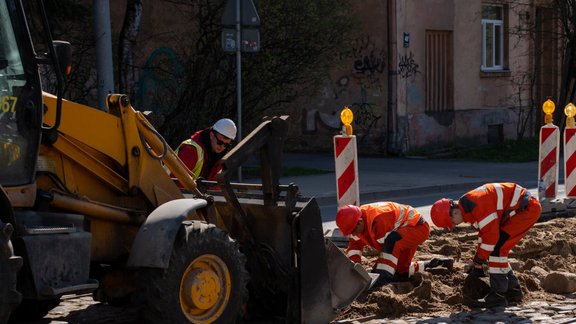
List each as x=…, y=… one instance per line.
x=469, y=127
x=484, y=103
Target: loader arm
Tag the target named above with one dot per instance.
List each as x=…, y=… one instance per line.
x=119, y=148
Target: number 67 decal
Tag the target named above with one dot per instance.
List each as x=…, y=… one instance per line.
x=8, y=104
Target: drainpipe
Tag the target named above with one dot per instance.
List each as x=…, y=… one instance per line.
x=392, y=146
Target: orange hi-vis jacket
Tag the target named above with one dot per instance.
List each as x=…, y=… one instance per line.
x=381, y=219
x=502, y=213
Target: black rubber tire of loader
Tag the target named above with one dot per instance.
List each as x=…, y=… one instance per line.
x=200, y=250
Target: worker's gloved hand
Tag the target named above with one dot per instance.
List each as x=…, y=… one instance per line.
x=474, y=269
x=384, y=278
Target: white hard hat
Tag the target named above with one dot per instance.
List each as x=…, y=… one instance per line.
x=225, y=127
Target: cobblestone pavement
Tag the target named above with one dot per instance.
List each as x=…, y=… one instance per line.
x=83, y=310
x=558, y=312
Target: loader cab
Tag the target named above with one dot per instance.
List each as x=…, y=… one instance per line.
x=20, y=99
x=21, y=107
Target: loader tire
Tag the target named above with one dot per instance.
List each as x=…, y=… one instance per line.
x=9, y=267
x=205, y=282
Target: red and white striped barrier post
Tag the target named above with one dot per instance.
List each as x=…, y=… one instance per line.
x=569, y=152
x=548, y=155
x=346, y=158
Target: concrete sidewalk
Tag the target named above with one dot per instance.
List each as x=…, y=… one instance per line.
x=393, y=177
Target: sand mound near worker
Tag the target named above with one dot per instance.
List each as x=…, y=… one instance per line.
x=548, y=246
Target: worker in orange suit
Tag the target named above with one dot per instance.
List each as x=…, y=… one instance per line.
x=393, y=229
x=502, y=213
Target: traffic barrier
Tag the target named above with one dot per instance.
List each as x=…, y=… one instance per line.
x=569, y=148
x=548, y=161
x=570, y=161
x=346, y=158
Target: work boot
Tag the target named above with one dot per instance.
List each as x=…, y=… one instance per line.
x=447, y=263
x=514, y=295
x=384, y=277
x=514, y=292
x=493, y=299
x=498, y=287
x=400, y=277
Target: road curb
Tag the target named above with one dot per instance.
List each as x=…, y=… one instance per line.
x=371, y=196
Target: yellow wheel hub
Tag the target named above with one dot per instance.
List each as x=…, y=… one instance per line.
x=205, y=289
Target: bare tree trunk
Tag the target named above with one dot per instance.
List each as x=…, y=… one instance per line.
x=566, y=10
x=128, y=36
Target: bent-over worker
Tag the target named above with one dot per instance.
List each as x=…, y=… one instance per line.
x=394, y=230
x=502, y=213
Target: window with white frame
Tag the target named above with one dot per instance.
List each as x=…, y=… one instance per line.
x=492, y=38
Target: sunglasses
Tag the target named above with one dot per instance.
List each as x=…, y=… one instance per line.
x=220, y=142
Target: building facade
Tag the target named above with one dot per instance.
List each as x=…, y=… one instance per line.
x=419, y=75
x=430, y=74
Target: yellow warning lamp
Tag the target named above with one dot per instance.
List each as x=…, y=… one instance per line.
x=347, y=116
x=548, y=108
x=570, y=111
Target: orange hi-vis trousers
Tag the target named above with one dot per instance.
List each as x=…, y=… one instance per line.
x=512, y=230
x=398, y=250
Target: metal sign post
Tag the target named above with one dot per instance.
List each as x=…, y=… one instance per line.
x=240, y=13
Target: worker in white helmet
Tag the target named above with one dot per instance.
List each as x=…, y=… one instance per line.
x=202, y=152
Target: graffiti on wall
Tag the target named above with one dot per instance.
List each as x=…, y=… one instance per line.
x=366, y=71
x=160, y=80
x=369, y=64
x=313, y=117
x=365, y=116
x=365, y=113
x=368, y=61
x=407, y=66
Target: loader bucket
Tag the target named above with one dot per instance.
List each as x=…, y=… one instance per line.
x=329, y=280
x=347, y=279
x=296, y=274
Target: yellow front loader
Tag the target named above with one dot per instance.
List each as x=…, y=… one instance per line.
x=87, y=205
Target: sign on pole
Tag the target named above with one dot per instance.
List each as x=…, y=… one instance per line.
x=249, y=15
x=239, y=14
x=250, y=40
